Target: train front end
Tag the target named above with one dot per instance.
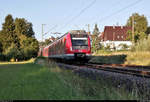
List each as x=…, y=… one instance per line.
x=80, y=45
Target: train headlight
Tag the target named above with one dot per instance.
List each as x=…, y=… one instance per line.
x=70, y=48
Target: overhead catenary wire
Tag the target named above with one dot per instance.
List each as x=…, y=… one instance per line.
x=75, y=17
x=43, y=34
x=50, y=29
x=120, y=10
x=82, y=11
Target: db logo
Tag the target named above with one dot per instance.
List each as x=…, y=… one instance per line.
x=80, y=50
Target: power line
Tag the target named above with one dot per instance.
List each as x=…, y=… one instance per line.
x=82, y=11
x=43, y=34
x=74, y=17
x=77, y=26
x=128, y=6
x=50, y=29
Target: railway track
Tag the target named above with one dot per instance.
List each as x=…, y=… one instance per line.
x=124, y=65
x=136, y=71
x=140, y=71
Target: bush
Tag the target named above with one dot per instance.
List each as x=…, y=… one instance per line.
x=142, y=45
x=11, y=52
x=2, y=57
x=124, y=46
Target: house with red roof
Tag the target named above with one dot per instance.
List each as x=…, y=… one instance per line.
x=115, y=36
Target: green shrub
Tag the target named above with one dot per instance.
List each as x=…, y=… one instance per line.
x=11, y=52
x=142, y=45
x=2, y=57
x=124, y=46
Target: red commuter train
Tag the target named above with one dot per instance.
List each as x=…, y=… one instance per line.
x=74, y=44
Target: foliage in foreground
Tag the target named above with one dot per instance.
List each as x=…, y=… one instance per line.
x=32, y=81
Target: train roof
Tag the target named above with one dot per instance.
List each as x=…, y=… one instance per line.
x=71, y=32
x=77, y=32
x=55, y=40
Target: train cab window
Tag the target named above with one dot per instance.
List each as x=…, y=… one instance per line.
x=79, y=39
x=78, y=35
x=79, y=42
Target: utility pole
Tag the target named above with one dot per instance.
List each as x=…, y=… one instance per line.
x=42, y=31
x=133, y=28
x=88, y=25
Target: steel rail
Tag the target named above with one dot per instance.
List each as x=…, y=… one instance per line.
x=140, y=73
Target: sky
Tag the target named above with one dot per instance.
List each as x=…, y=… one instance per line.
x=65, y=15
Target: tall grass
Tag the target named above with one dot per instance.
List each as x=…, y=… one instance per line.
x=140, y=53
x=138, y=58
x=142, y=45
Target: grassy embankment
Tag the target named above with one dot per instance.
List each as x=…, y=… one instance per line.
x=122, y=57
x=47, y=81
x=109, y=57
x=138, y=58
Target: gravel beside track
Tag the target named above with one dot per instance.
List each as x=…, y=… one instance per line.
x=117, y=79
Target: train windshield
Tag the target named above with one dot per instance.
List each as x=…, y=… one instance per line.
x=79, y=35
x=79, y=42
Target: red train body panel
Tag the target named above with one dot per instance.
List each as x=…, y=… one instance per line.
x=72, y=45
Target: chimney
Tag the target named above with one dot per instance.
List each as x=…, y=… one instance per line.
x=113, y=26
x=121, y=27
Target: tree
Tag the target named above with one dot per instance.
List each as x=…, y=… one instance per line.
x=18, y=40
x=96, y=30
x=140, y=26
x=95, y=39
x=129, y=35
x=23, y=27
x=11, y=52
x=7, y=32
x=28, y=44
x=1, y=47
x=148, y=30
x=29, y=47
x=1, y=50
